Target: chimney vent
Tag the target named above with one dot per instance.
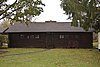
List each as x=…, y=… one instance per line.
x=50, y=21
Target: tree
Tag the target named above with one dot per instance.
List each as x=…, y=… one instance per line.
x=20, y=10
x=5, y=24
x=3, y=39
x=84, y=13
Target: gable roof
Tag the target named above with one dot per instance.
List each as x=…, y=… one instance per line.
x=45, y=27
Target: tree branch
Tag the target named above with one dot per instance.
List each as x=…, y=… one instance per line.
x=8, y=8
x=10, y=13
x=1, y=2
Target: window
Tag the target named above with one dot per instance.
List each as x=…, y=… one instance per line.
x=21, y=36
x=37, y=36
x=32, y=36
x=61, y=36
x=28, y=37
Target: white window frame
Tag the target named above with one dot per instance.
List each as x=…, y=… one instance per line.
x=21, y=36
x=37, y=36
x=32, y=36
x=61, y=36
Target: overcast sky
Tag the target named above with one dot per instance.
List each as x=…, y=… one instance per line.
x=52, y=11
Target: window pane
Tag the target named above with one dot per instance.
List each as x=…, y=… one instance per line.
x=31, y=36
x=61, y=36
x=28, y=37
x=37, y=36
x=21, y=36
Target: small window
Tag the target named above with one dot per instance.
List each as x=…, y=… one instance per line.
x=32, y=36
x=28, y=37
x=21, y=36
x=61, y=36
x=37, y=36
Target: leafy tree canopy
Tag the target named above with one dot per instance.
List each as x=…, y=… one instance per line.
x=84, y=13
x=20, y=10
x=6, y=24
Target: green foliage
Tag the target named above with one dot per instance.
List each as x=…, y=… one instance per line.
x=97, y=24
x=84, y=13
x=95, y=37
x=6, y=24
x=20, y=10
x=3, y=39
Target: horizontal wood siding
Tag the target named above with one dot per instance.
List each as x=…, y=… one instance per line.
x=73, y=40
x=51, y=40
x=27, y=40
x=86, y=40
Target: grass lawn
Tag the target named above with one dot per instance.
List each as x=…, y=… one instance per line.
x=35, y=57
x=95, y=44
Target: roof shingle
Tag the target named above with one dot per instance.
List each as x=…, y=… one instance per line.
x=45, y=27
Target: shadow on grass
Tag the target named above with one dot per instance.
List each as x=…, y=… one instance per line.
x=1, y=51
x=24, y=53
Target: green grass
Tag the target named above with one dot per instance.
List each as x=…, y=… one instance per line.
x=35, y=57
x=95, y=44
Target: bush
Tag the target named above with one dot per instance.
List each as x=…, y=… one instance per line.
x=95, y=37
x=3, y=39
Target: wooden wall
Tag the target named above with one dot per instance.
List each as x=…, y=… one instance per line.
x=51, y=40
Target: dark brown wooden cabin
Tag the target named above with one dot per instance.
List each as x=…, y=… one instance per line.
x=49, y=35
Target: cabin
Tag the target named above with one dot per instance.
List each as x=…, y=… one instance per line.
x=49, y=34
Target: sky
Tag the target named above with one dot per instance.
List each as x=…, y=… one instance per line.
x=52, y=11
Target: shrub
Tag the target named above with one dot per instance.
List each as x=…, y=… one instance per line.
x=3, y=39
